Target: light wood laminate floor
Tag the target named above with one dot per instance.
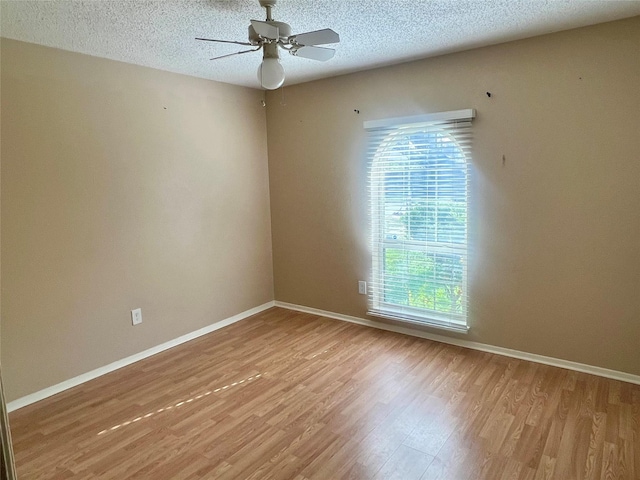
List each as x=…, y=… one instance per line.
x=286, y=395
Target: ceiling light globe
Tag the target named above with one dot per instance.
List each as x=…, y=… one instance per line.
x=271, y=74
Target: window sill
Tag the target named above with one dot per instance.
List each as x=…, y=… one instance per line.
x=431, y=323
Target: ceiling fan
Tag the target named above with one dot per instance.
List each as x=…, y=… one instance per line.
x=271, y=35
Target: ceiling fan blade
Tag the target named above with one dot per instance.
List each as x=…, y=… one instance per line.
x=236, y=53
x=224, y=41
x=319, y=37
x=265, y=30
x=314, y=53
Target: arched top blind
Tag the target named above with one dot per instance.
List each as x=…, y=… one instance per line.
x=418, y=184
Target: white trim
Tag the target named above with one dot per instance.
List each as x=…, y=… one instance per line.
x=428, y=117
x=85, y=377
x=483, y=347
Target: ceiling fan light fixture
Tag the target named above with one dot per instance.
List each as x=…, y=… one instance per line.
x=270, y=35
x=271, y=73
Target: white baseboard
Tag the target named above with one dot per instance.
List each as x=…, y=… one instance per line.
x=85, y=377
x=532, y=357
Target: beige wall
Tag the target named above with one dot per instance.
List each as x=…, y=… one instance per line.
x=556, y=255
x=123, y=187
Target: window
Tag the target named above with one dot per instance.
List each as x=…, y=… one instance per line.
x=418, y=174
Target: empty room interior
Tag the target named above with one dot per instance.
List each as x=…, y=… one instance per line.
x=407, y=248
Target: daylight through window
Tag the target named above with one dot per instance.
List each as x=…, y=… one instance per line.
x=419, y=171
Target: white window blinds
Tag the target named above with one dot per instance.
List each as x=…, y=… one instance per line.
x=418, y=184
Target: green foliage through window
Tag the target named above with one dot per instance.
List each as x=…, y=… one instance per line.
x=424, y=280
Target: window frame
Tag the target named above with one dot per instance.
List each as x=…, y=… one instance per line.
x=397, y=129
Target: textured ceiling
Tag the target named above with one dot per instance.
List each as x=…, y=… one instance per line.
x=160, y=34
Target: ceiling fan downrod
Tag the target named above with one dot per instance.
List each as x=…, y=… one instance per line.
x=268, y=5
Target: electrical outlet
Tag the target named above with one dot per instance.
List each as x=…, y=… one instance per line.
x=362, y=287
x=136, y=316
